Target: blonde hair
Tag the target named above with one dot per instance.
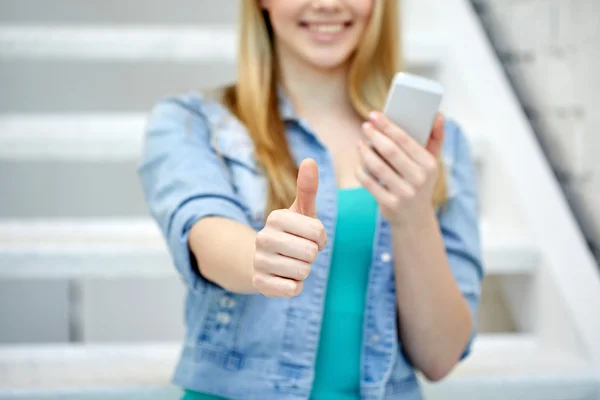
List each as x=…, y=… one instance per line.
x=254, y=97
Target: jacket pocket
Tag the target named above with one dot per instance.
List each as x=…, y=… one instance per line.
x=262, y=327
x=251, y=325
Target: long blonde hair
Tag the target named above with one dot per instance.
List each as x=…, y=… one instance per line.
x=254, y=97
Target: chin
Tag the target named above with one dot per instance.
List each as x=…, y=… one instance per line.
x=328, y=62
x=327, y=65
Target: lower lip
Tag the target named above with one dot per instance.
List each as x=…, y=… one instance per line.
x=326, y=36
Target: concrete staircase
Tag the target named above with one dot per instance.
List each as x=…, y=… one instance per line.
x=80, y=256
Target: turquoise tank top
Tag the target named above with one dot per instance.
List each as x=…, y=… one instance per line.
x=337, y=367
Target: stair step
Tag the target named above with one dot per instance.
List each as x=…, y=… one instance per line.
x=580, y=385
x=149, y=392
x=136, y=43
x=97, y=86
x=73, y=137
x=83, y=249
x=520, y=353
x=92, y=365
x=507, y=250
x=103, y=12
x=516, y=360
x=179, y=43
x=517, y=367
x=86, y=72
x=90, y=137
x=119, y=248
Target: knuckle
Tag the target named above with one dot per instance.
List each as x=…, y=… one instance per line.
x=431, y=165
x=258, y=281
x=384, y=124
x=390, y=152
x=291, y=289
x=393, y=203
x=403, y=138
x=262, y=239
x=259, y=261
x=323, y=239
x=299, y=288
x=420, y=179
x=318, y=229
x=311, y=251
x=378, y=169
x=274, y=218
x=303, y=271
x=264, y=262
x=389, y=128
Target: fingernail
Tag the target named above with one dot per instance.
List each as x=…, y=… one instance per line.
x=373, y=116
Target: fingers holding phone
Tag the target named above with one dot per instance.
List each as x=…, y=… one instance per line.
x=401, y=148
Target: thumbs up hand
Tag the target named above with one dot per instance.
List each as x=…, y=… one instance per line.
x=290, y=240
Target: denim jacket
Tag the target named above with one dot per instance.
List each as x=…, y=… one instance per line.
x=198, y=161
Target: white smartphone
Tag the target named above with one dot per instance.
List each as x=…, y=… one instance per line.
x=412, y=103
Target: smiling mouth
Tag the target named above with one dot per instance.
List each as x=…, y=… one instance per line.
x=326, y=28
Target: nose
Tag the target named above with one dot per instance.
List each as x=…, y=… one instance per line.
x=326, y=4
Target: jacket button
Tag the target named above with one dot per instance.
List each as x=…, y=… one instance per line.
x=223, y=318
x=386, y=257
x=227, y=302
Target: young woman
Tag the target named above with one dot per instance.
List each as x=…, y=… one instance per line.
x=309, y=277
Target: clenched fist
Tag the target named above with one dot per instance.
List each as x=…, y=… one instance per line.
x=290, y=240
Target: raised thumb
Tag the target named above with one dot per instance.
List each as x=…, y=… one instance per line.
x=306, y=191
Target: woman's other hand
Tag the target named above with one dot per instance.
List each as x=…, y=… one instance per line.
x=403, y=173
x=290, y=240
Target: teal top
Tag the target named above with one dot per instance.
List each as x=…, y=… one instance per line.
x=337, y=367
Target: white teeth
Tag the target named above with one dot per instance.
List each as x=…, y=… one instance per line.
x=320, y=28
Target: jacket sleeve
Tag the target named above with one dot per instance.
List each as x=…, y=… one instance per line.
x=459, y=223
x=184, y=180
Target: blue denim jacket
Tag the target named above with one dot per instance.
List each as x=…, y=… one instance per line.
x=198, y=161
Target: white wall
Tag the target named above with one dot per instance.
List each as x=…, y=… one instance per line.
x=551, y=51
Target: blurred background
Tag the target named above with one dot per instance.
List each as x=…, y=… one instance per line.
x=90, y=306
